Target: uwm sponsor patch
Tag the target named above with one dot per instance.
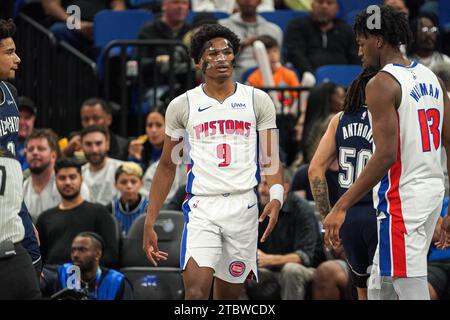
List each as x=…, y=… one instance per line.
x=237, y=268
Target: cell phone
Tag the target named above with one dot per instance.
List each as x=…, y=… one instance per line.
x=7, y=249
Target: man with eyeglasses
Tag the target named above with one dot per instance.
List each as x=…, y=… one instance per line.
x=426, y=42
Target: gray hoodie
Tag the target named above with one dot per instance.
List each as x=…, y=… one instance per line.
x=243, y=30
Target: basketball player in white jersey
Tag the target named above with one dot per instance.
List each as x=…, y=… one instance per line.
x=410, y=117
x=222, y=121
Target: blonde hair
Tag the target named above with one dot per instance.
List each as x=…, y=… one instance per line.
x=130, y=168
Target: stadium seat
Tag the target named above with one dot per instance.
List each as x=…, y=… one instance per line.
x=347, y=6
x=169, y=228
x=340, y=74
x=155, y=283
x=218, y=14
x=282, y=17
x=444, y=15
x=112, y=25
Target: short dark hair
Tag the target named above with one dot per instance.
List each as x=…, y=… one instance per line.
x=210, y=31
x=97, y=239
x=394, y=26
x=7, y=29
x=94, y=128
x=64, y=162
x=48, y=134
x=268, y=41
x=94, y=101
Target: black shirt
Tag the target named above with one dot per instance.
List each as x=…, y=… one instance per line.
x=297, y=231
x=57, y=228
x=308, y=48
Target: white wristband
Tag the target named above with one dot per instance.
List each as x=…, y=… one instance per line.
x=277, y=192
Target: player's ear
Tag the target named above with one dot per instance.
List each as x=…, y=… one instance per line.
x=380, y=42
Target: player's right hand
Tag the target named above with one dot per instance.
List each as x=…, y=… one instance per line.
x=150, y=245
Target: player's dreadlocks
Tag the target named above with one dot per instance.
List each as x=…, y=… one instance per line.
x=394, y=26
x=7, y=28
x=210, y=31
x=356, y=96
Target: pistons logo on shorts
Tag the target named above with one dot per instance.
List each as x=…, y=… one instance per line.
x=237, y=268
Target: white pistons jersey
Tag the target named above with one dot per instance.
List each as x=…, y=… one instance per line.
x=222, y=137
x=413, y=189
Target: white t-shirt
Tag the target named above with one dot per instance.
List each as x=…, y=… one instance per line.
x=178, y=181
x=222, y=137
x=48, y=198
x=101, y=184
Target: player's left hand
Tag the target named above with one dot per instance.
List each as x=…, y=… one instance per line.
x=332, y=224
x=271, y=210
x=444, y=238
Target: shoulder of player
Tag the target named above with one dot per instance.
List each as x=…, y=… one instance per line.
x=182, y=99
x=334, y=122
x=382, y=82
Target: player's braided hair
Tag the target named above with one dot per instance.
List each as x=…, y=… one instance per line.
x=210, y=31
x=7, y=28
x=394, y=26
x=355, y=97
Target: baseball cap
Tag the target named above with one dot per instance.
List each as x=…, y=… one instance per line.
x=25, y=102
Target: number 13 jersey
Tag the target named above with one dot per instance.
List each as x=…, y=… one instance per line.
x=222, y=138
x=414, y=185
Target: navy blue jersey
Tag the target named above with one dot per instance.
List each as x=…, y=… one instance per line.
x=9, y=120
x=354, y=149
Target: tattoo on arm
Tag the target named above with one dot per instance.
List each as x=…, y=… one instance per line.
x=320, y=194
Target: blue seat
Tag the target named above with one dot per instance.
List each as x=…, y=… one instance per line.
x=112, y=25
x=217, y=14
x=347, y=6
x=340, y=74
x=444, y=15
x=282, y=17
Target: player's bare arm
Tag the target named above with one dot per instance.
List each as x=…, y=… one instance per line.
x=164, y=176
x=272, y=209
x=321, y=161
x=383, y=95
x=444, y=238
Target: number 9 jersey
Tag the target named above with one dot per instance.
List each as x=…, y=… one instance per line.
x=222, y=137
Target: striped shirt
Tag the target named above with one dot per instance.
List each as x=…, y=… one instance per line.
x=11, y=195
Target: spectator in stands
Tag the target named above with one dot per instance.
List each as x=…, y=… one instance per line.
x=332, y=280
x=324, y=100
x=248, y=25
x=131, y=204
x=147, y=148
x=399, y=5
x=286, y=260
x=81, y=38
x=171, y=25
x=282, y=76
x=27, y=117
x=320, y=39
x=442, y=70
x=150, y=152
x=426, y=41
x=228, y=6
x=39, y=189
x=99, y=172
x=58, y=226
x=95, y=111
x=98, y=282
